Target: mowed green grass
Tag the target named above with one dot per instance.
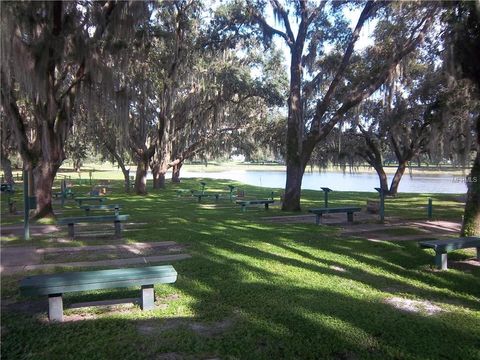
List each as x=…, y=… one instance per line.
x=260, y=290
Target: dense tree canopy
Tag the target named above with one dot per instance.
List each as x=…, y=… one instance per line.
x=152, y=84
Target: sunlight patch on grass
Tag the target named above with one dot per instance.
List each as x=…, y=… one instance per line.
x=415, y=306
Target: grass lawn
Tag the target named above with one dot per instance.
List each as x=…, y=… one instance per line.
x=260, y=290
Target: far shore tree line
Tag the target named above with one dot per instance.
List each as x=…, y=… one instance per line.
x=157, y=83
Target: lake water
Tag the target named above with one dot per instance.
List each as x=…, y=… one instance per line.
x=340, y=181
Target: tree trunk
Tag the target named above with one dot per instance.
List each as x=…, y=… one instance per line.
x=397, y=177
x=141, y=177
x=163, y=158
x=471, y=216
x=126, y=176
x=382, y=177
x=158, y=176
x=295, y=124
x=77, y=165
x=176, y=172
x=44, y=175
x=293, y=187
x=7, y=170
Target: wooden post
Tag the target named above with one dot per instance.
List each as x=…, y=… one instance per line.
x=55, y=307
x=118, y=229
x=26, y=207
x=231, y=187
x=325, y=194
x=148, y=297
x=441, y=260
x=429, y=209
x=382, y=204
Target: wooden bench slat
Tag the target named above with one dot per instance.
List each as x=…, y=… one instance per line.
x=245, y=203
x=95, y=280
x=442, y=247
x=334, y=210
x=100, y=207
x=320, y=211
x=452, y=244
x=86, y=219
x=254, y=202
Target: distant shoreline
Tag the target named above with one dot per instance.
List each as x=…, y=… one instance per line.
x=236, y=166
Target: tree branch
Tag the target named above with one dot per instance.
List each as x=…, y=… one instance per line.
x=370, y=8
x=360, y=94
x=286, y=22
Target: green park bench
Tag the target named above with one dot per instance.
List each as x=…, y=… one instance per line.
x=183, y=192
x=442, y=247
x=79, y=200
x=89, y=208
x=245, y=203
x=68, y=193
x=71, y=221
x=320, y=211
x=55, y=285
x=206, y=195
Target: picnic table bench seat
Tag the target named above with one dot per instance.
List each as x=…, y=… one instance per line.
x=205, y=195
x=79, y=200
x=245, y=203
x=67, y=193
x=71, y=221
x=442, y=247
x=55, y=285
x=89, y=208
x=320, y=211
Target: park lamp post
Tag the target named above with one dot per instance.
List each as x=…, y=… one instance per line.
x=382, y=204
x=326, y=190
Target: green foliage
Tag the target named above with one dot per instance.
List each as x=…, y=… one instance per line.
x=255, y=289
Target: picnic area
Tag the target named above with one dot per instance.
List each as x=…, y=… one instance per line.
x=255, y=282
x=230, y=180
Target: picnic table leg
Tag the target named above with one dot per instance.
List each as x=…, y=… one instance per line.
x=244, y=207
x=350, y=217
x=148, y=297
x=478, y=253
x=87, y=212
x=118, y=229
x=55, y=307
x=266, y=206
x=71, y=231
x=318, y=219
x=441, y=260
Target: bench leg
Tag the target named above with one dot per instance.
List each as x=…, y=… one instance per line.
x=148, y=297
x=71, y=231
x=318, y=219
x=118, y=229
x=350, y=217
x=266, y=206
x=55, y=307
x=441, y=261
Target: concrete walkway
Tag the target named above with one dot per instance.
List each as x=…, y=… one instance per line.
x=27, y=258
